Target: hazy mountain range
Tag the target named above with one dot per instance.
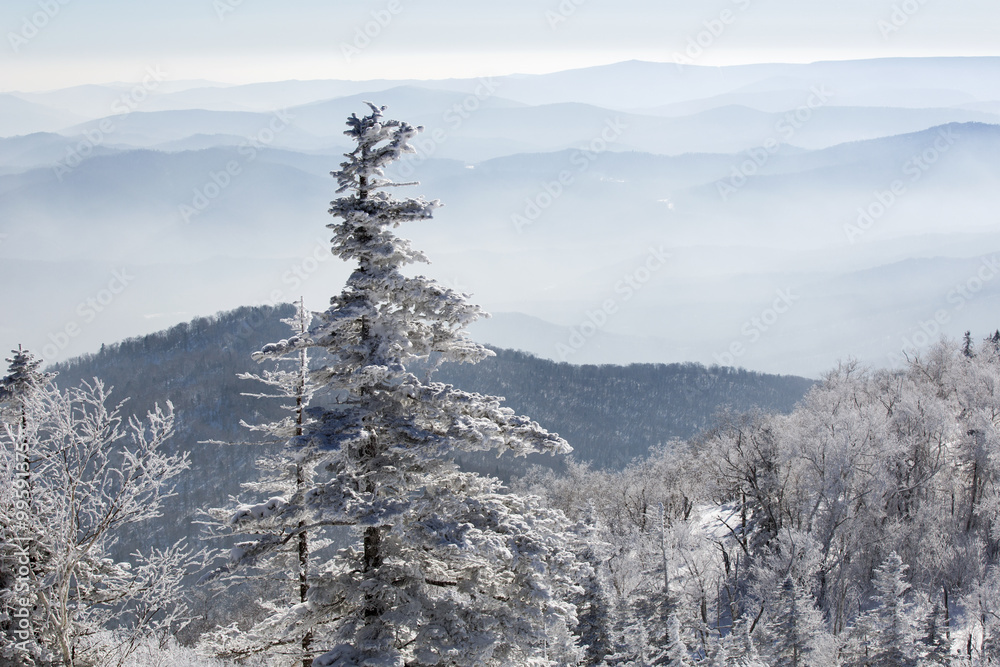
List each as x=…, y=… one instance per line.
x=777, y=217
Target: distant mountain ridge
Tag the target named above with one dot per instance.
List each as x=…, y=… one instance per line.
x=612, y=85
x=751, y=178
x=731, y=251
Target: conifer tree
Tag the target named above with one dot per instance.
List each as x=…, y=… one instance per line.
x=935, y=645
x=447, y=568
x=676, y=654
x=883, y=636
x=798, y=637
x=18, y=391
x=895, y=645
x=20, y=546
x=749, y=656
x=280, y=561
x=861, y=643
x=593, y=605
x=23, y=379
x=720, y=654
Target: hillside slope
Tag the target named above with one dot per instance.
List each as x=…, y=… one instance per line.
x=610, y=414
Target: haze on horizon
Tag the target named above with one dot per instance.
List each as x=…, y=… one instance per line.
x=51, y=44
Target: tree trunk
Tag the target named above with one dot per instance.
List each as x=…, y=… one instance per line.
x=947, y=619
x=300, y=487
x=972, y=495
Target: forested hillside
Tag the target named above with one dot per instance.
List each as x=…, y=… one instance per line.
x=609, y=414
x=194, y=366
x=613, y=414
x=861, y=529
x=858, y=528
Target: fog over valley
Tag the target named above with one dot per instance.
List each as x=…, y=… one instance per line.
x=775, y=217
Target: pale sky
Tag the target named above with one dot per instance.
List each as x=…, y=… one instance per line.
x=56, y=43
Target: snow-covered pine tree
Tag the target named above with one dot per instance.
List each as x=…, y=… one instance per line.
x=720, y=654
x=883, y=636
x=280, y=548
x=23, y=379
x=859, y=646
x=448, y=569
x=19, y=543
x=895, y=636
x=676, y=651
x=796, y=631
x=743, y=649
x=18, y=391
x=594, y=606
x=934, y=642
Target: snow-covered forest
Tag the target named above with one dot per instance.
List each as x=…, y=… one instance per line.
x=861, y=527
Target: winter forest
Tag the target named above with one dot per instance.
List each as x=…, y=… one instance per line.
x=859, y=527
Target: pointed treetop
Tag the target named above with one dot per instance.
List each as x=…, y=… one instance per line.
x=363, y=170
x=890, y=576
x=23, y=376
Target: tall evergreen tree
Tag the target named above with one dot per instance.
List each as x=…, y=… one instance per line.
x=676, y=651
x=884, y=636
x=935, y=644
x=895, y=631
x=277, y=558
x=967, y=344
x=20, y=546
x=861, y=642
x=18, y=391
x=447, y=569
x=594, y=606
x=22, y=380
x=796, y=630
x=720, y=654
